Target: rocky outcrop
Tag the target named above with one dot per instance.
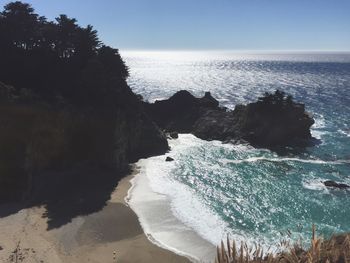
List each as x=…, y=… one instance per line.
x=37, y=138
x=173, y=135
x=274, y=120
x=333, y=184
x=180, y=112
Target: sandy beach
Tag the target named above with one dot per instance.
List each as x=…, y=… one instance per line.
x=112, y=234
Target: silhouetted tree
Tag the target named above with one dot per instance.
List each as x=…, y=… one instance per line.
x=19, y=25
x=52, y=58
x=87, y=42
x=112, y=61
x=66, y=36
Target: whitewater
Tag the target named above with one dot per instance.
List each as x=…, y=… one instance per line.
x=212, y=189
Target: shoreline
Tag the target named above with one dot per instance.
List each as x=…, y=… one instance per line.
x=113, y=234
x=159, y=221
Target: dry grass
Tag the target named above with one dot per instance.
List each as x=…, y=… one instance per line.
x=333, y=250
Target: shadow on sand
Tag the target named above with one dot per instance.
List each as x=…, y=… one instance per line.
x=68, y=194
x=85, y=190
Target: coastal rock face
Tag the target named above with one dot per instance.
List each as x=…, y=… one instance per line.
x=173, y=135
x=330, y=183
x=274, y=120
x=38, y=139
x=65, y=108
x=181, y=111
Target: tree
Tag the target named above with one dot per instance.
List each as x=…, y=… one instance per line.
x=66, y=33
x=19, y=25
x=57, y=58
x=87, y=42
x=112, y=61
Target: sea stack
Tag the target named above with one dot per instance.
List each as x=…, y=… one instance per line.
x=274, y=120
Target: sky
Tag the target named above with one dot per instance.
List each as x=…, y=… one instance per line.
x=321, y=25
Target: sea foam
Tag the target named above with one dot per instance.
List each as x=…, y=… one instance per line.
x=213, y=189
x=171, y=213
x=161, y=204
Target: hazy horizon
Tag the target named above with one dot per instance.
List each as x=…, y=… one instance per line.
x=235, y=50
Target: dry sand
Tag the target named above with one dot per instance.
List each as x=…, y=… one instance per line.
x=111, y=235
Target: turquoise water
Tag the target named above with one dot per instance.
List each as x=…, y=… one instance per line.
x=254, y=194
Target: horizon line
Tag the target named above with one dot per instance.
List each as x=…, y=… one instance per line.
x=237, y=50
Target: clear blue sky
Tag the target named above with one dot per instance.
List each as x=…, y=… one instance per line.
x=211, y=24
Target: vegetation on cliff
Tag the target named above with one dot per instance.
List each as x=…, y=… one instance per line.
x=274, y=120
x=68, y=118
x=58, y=59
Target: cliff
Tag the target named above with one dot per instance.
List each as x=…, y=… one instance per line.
x=274, y=120
x=69, y=123
x=37, y=138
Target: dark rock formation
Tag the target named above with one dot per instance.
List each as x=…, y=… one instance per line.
x=274, y=120
x=36, y=138
x=70, y=158
x=176, y=114
x=169, y=159
x=174, y=135
x=330, y=183
x=69, y=123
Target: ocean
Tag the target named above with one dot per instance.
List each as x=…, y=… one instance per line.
x=212, y=189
